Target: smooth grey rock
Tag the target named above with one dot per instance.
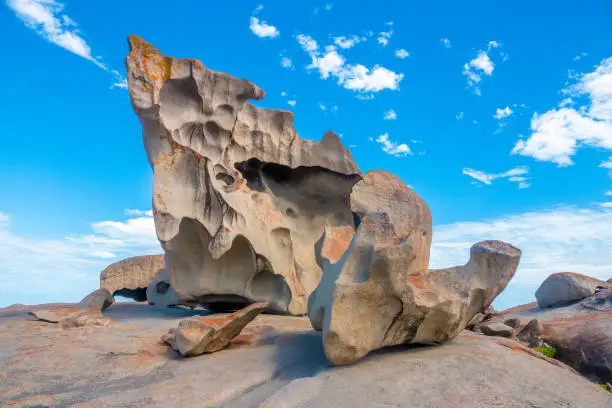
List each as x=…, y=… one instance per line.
x=98, y=299
x=496, y=329
x=564, y=287
x=160, y=292
x=275, y=362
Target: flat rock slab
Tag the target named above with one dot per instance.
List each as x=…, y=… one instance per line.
x=277, y=361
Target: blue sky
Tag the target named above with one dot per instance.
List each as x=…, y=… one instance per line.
x=498, y=115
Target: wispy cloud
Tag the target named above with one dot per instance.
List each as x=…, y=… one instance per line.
x=459, y=116
x=330, y=63
x=348, y=42
x=557, y=134
x=393, y=148
x=286, y=62
x=446, y=42
x=263, y=29
x=580, y=56
x=292, y=102
x=67, y=269
x=555, y=240
x=384, y=36
x=48, y=20
x=501, y=113
x=390, y=115
x=515, y=175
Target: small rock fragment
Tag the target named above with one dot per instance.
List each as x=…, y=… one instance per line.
x=477, y=319
x=196, y=336
x=98, y=299
x=531, y=333
x=496, y=329
x=514, y=323
x=72, y=317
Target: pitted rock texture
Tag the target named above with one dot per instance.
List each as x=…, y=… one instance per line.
x=380, y=293
x=563, y=287
x=239, y=199
x=130, y=277
x=196, y=336
x=160, y=292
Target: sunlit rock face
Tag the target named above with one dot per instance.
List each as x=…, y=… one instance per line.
x=240, y=201
x=381, y=292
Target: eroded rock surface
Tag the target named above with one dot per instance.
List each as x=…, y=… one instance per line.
x=277, y=361
x=581, y=332
x=68, y=318
x=130, y=277
x=564, y=287
x=239, y=199
x=496, y=329
x=196, y=336
x=380, y=293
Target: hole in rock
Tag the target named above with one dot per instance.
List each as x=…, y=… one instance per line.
x=162, y=287
x=138, y=294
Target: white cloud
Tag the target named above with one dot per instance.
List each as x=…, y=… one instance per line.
x=263, y=29
x=557, y=134
x=393, y=148
x=286, y=62
x=501, y=113
x=390, y=115
x=67, y=269
x=580, y=56
x=446, y=42
x=459, y=116
x=606, y=204
x=138, y=213
x=283, y=93
x=515, y=175
x=46, y=17
x=322, y=107
x=556, y=240
x=348, y=42
x=358, y=78
x=328, y=6
x=258, y=9
x=608, y=193
x=481, y=65
x=402, y=53
x=607, y=165
x=292, y=102
x=384, y=36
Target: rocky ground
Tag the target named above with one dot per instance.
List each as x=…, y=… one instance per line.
x=277, y=361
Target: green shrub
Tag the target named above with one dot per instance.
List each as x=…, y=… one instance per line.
x=548, y=351
x=606, y=387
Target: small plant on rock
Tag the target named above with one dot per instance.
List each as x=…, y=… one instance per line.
x=606, y=387
x=548, y=351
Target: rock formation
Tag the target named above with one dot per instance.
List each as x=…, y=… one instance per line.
x=380, y=293
x=239, y=200
x=130, y=277
x=564, y=287
x=196, y=336
x=496, y=329
x=98, y=299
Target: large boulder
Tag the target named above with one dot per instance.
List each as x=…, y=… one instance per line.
x=496, y=329
x=380, y=293
x=563, y=287
x=130, y=277
x=239, y=199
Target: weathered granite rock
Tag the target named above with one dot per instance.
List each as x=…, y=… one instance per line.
x=98, y=299
x=196, y=336
x=563, y=287
x=72, y=317
x=160, y=292
x=380, y=292
x=514, y=323
x=239, y=200
x=476, y=320
x=531, y=333
x=496, y=329
x=581, y=332
x=130, y=277
x=275, y=362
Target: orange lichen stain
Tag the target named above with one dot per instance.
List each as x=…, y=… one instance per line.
x=417, y=280
x=272, y=215
x=31, y=401
x=337, y=241
x=169, y=159
x=227, y=229
x=154, y=65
